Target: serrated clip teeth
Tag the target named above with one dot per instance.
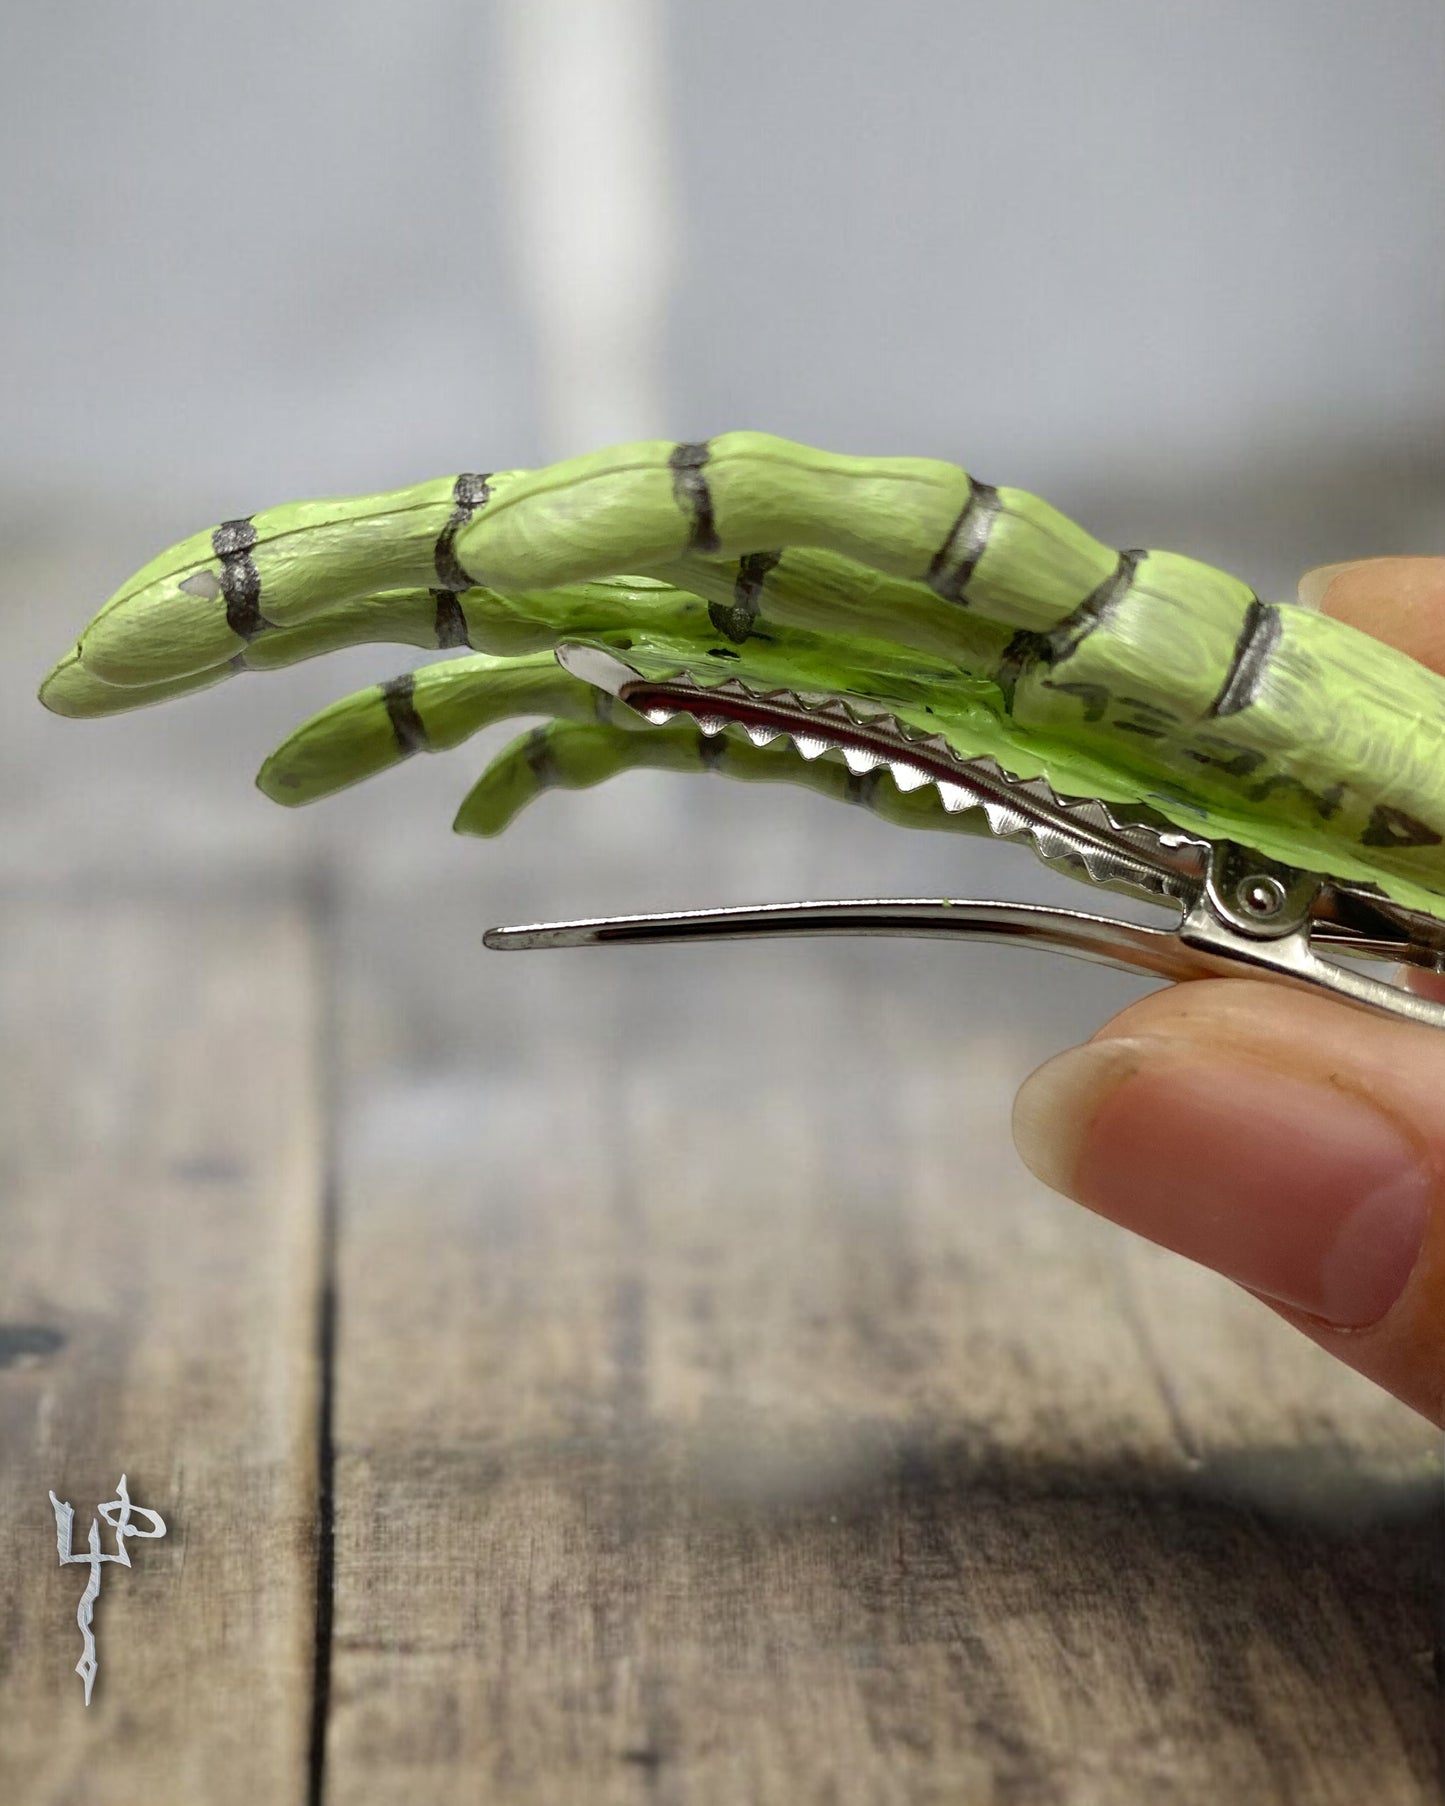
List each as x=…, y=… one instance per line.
x=1146, y=858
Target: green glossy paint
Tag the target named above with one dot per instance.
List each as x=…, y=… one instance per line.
x=978, y=612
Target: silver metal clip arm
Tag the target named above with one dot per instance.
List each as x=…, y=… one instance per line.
x=1102, y=939
x=1201, y=946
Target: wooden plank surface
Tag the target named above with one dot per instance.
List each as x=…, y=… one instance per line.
x=160, y=1129
x=722, y=1416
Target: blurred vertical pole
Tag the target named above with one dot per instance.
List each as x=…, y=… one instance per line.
x=588, y=161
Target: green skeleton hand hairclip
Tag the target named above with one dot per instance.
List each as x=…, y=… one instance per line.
x=886, y=630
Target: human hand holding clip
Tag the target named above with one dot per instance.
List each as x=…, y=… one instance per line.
x=1289, y=1142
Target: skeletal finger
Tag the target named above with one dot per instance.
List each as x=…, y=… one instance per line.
x=479, y=619
x=209, y=601
x=201, y=602
x=575, y=755
x=400, y=617
x=640, y=506
x=430, y=710
x=632, y=508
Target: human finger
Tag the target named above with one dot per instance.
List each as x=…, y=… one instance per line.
x=1291, y=1143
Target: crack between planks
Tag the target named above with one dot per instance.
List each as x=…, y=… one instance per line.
x=321, y=915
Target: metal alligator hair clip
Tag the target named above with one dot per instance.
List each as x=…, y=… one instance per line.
x=1238, y=914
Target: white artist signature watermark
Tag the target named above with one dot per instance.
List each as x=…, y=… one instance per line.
x=93, y=1557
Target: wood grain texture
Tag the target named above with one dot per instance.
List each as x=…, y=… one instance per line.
x=160, y=1133
x=721, y=1416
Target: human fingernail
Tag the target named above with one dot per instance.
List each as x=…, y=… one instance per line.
x=1056, y=1104
x=1290, y=1185
x=1313, y=585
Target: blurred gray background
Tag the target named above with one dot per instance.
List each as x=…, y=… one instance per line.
x=1179, y=268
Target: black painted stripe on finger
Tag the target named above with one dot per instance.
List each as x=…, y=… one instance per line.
x=406, y=724
x=1258, y=637
x=712, y=750
x=451, y=621
x=1391, y=827
x=1029, y=648
x=1066, y=636
x=957, y=558
x=232, y=542
x=861, y=787
x=537, y=750
x=689, y=487
x=472, y=490
x=735, y=620
x=1022, y=653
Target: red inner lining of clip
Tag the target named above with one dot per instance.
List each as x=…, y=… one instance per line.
x=751, y=711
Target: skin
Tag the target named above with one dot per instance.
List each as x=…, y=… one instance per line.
x=1293, y=1144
